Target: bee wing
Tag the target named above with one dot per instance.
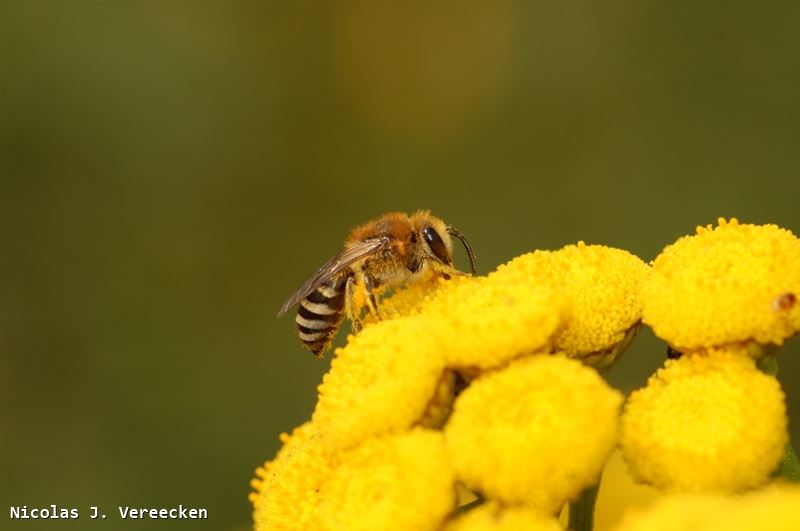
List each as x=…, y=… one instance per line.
x=334, y=266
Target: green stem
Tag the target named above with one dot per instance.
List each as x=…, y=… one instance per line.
x=581, y=511
x=789, y=467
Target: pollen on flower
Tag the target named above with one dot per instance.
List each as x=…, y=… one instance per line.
x=603, y=285
x=286, y=490
x=535, y=432
x=289, y=443
x=383, y=381
x=411, y=299
x=485, y=322
x=769, y=510
x=705, y=423
x=394, y=482
x=492, y=516
x=725, y=287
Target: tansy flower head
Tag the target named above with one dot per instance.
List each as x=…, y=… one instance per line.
x=392, y=375
x=385, y=380
x=706, y=423
x=493, y=517
x=287, y=489
x=535, y=432
x=603, y=285
x=770, y=510
x=396, y=482
x=735, y=285
x=484, y=322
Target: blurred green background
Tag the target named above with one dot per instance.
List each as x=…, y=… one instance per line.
x=171, y=172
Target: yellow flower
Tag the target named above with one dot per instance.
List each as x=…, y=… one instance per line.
x=393, y=375
x=705, y=423
x=286, y=490
x=412, y=298
x=397, y=482
x=385, y=380
x=535, y=432
x=487, y=321
x=493, y=517
x=771, y=510
x=603, y=285
x=483, y=321
x=735, y=285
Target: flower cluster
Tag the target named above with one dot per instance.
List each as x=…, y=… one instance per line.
x=466, y=381
x=710, y=420
x=489, y=386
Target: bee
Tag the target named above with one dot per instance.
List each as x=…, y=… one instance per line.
x=384, y=253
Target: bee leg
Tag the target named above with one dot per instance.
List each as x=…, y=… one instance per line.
x=350, y=305
x=370, y=284
x=450, y=271
x=447, y=271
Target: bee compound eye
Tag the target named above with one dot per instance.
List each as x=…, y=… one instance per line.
x=436, y=244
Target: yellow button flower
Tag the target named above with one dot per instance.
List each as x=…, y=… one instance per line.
x=387, y=379
x=771, y=510
x=397, y=482
x=603, y=285
x=705, y=423
x=494, y=517
x=484, y=321
x=536, y=432
x=393, y=374
x=733, y=286
x=532, y=428
x=487, y=321
x=286, y=490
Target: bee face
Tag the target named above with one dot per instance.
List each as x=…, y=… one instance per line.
x=433, y=238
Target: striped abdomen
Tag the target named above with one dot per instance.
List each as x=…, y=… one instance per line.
x=319, y=316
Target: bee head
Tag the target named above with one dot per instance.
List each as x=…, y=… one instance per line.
x=435, y=237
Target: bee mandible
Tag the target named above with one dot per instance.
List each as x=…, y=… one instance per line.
x=384, y=253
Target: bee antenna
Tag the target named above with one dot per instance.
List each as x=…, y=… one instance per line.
x=455, y=232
